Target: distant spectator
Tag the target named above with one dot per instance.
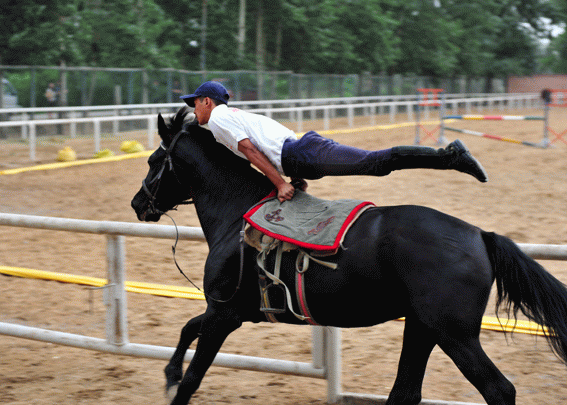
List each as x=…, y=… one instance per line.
x=52, y=95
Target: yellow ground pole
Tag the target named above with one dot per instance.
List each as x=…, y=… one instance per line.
x=488, y=323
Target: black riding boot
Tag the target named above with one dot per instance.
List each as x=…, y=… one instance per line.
x=455, y=156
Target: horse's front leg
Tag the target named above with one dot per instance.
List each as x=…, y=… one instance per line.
x=215, y=327
x=174, y=369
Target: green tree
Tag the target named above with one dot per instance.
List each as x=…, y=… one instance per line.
x=437, y=38
x=497, y=38
x=428, y=37
x=41, y=32
x=330, y=36
x=129, y=33
x=559, y=51
x=555, y=59
x=119, y=33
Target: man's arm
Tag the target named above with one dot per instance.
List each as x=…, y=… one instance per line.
x=258, y=159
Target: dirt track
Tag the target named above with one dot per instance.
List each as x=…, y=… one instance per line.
x=524, y=199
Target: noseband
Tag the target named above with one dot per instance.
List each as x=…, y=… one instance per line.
x=156, y=181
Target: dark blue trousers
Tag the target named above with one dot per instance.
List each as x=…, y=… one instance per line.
x=313, y=156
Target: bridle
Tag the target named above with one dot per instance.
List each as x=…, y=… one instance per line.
x=154, y=183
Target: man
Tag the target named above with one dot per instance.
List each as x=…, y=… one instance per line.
x=51, y=95
x=276, y=151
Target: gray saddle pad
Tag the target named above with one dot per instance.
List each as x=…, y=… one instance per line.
x=307, y=221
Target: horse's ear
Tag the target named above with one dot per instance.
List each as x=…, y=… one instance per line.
x=163, y=130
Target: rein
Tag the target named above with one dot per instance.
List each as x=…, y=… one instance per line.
x=155, y=183
x=240, y=274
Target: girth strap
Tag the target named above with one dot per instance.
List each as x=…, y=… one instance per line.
x=261, y=261
x=301, y=266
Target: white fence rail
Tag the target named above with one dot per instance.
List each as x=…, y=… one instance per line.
x=326, y=341
x=326, y=353
x=297, y=111
x=31, y=113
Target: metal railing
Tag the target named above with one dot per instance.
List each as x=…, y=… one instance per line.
x=326, y=353
x=89, y=85
x=297, y=111
x=326, y=341
x=41, y=113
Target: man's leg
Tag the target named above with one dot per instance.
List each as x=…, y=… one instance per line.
x=314, y=156
x=455, y=156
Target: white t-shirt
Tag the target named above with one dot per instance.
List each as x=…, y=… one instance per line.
x=231, y=125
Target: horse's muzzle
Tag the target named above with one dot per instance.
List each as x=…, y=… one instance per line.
x=145, y=211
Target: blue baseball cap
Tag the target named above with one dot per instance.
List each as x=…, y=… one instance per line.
x=214, y=90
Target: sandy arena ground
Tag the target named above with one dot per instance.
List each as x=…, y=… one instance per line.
x=524, y=199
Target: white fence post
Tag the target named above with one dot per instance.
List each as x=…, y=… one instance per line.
x=115, y=127
x=115, y=293
x=299, y=113
x=73, y=126
x=32, y=141
x=151, y=131
x=333, y=366
x=24, y=132
x=96, y=124
x=326, y=121
x=318, y=351
x=409, y=110
x=373, y=115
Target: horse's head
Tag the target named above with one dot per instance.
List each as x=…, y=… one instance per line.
x=191, y=164
x=164, y=187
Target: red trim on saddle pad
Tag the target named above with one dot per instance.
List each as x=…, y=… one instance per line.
x=322, y=248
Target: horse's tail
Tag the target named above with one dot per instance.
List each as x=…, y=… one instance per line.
x=524, y=285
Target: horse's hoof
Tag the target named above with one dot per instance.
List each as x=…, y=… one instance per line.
x=171, y=392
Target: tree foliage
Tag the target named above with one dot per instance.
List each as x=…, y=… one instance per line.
x=555, y=59
x=439, y=38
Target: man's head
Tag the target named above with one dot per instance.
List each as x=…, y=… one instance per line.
x=207, y=96
x=203, y=108
x=214, y=90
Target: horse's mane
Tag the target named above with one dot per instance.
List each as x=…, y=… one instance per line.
x=178, y=121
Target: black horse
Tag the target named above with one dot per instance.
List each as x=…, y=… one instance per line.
x=399, y=261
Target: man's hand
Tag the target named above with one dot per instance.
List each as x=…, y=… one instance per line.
x=285, y=192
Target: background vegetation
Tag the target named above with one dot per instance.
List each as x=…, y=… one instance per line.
x=439, y=38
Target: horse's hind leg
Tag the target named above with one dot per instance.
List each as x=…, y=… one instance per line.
x=475, y=365
x=174, y=369
x=417, y=347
